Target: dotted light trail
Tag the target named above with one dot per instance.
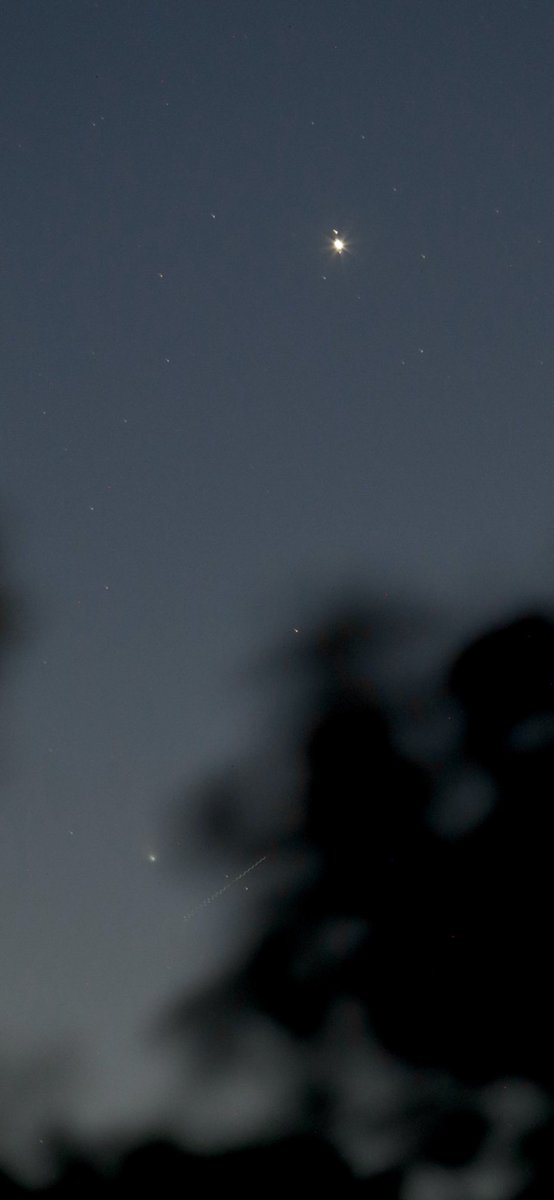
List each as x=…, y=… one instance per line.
x=220, y=891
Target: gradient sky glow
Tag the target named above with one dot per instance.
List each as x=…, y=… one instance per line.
x=205, y=410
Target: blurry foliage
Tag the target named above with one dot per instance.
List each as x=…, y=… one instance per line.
x=393, y=1006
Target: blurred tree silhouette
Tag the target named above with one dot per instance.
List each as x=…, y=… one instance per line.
x=432, y=945
x=397, y=993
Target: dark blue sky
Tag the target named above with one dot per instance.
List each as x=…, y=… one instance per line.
x=207, y=414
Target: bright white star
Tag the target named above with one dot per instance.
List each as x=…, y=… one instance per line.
x=338, y=244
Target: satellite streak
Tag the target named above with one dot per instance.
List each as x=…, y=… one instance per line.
x=220, y=891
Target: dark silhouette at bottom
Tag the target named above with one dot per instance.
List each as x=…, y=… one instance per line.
x=409, y=962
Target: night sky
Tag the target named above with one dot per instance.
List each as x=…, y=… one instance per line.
x=209, y=415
